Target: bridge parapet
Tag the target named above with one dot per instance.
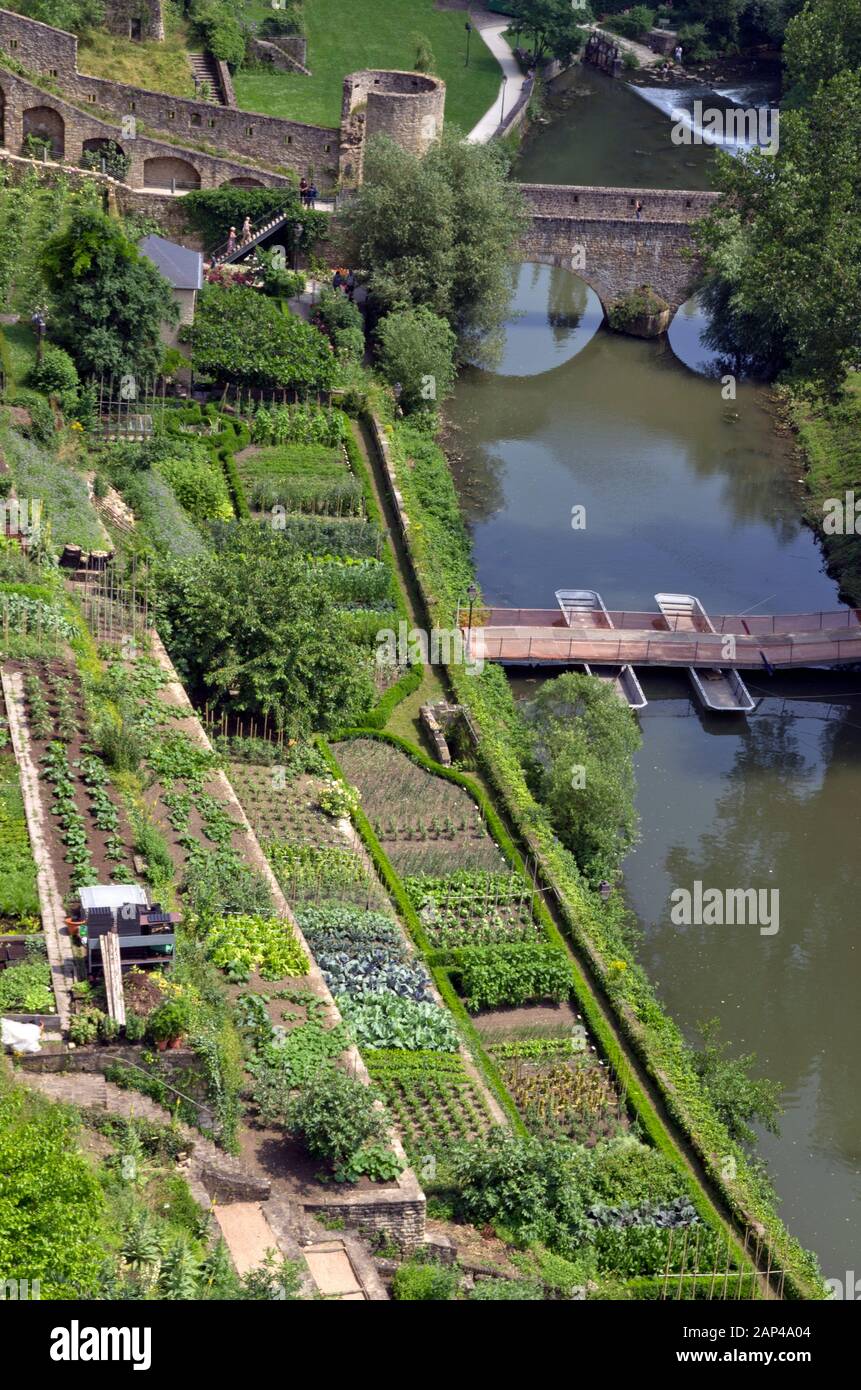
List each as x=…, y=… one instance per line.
x=586, y=201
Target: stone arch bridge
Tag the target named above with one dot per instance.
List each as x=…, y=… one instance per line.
x=596, y=233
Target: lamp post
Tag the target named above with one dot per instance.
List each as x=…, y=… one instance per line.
x=504, y=85
x=468, y=28
x=472, y=595
x=297, y=233
x=40, y=324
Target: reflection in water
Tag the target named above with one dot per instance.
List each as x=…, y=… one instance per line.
x=547, y=297
x=688, y=492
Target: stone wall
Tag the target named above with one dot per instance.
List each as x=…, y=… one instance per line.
x=617, y=256
x=154, y=163
x=259, y=139
x=562, y=199
x=287, y=53
x=37, y=46
x=409, y=107
x=135, y=19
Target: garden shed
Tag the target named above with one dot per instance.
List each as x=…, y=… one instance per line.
x=183, y=270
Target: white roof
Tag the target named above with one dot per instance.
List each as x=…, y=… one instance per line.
x=112, y=895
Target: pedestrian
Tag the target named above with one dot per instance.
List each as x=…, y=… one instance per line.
x=638, y=209
x=337, y=279
x=303, y=191
x=313, y=195
x=231, y=241
x=246, y=229
x=677, y=54
x=350, y=285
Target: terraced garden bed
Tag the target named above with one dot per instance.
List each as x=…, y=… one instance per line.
x=425, y=824
x=561, y=1088
x=313, y=478
x=433, y=1099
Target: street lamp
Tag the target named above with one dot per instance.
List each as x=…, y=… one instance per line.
x=468, y=28
x=472, y=595
x=298, y=229
x=40, y=324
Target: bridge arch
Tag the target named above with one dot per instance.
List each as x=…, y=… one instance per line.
x=566, y=262
x=44, y=124
x=169, y=171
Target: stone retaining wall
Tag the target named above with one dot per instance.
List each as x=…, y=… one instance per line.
x=37, y=46
x=588, y=201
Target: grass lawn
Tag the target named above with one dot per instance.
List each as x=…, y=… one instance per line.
x=160, y=67
x=347, y=35
x=830, y=439
x=21, y=342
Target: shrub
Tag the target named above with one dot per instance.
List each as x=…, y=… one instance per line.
x=416, y=349
x=416, y=1282
x=198, y=487
x=513, y=973
x=56, y=374
x=642, y=303
x=506, y=1290
x=240, y=335
x=168, y=1022
x=336, y=1116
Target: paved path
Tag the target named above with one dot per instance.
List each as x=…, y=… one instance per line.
x=491, y=29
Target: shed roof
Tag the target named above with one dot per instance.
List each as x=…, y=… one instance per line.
x=181, y=267
x=112, y=895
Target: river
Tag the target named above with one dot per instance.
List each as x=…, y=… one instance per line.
x=686, y=491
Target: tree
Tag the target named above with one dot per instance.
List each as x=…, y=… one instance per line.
x=582, y=744
x=240, y=335
x=424, y=60
x=254, y=620
x=416, y=349
x=782, y=250
x=107, y=301
x=737, y=1097
x=551, y=26
x=438, y=231
x=75, y=16
x=821, y=42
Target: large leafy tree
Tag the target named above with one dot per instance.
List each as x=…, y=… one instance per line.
x=107, y=301
x=75, y=16
x=821, y=42
x=739, y=1098
x=251, y=621
x=550, y=26
x=783, y=248
x=240, y=335
x=416, y=349
x=583, y=741
x=438, y=231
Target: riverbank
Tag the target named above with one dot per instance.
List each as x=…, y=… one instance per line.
x=439, y=552
x=829, y=444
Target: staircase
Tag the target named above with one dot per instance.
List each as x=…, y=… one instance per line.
x=223, y=255
x=205, y=75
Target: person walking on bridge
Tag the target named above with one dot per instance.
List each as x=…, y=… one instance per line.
x=638, y=210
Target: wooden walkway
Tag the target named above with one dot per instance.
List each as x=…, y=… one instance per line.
x=541, y=636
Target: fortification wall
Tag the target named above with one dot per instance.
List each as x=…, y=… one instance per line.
x=135, y=19
x=409, y=107
x=37, y=46
x=568, y=200
x=153, y=163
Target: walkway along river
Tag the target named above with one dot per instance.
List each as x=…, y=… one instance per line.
x=688, y=492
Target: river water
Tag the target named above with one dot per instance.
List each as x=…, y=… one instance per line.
x=685, y=491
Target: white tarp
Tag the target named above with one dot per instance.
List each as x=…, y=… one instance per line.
x=21, y=1037
x=112, y=895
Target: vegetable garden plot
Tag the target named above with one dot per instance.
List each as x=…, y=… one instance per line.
x=432, y=1098
x=300, y=478
x=561, y=1090
x=19, y=895
x=426, y=824
x=473, y=909
x=88, y=832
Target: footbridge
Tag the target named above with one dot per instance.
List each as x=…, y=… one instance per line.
x=548, y=637
x=597, y=233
